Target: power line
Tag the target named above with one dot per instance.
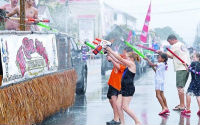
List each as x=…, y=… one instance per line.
x=177, y=11
x=164, y=12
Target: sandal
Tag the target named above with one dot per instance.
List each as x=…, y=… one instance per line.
x=166, y=111
x=186, y=112
x=178, y=108
x=198, y=113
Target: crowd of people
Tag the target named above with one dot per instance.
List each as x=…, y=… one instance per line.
x=121, y=81
x=13, y=10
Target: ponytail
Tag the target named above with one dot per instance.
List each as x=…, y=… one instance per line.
x=164, y=56
x=166, y=66
x=134, y=56
x=198, y=55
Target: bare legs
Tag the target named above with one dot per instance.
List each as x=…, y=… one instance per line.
x=188, y=101
x=113, y=102
x=181, y=97
x=198, y=101
x=162, y=100
x=119, y=108
x=123, y=104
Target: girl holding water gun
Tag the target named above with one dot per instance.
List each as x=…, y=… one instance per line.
x=127, y=83
x=161, y=67
x=194, y=87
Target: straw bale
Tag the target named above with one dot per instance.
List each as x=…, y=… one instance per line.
x=32, y=101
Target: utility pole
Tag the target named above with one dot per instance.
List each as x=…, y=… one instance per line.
x=22, y=15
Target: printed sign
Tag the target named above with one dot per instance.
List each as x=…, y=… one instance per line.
x=27, y=56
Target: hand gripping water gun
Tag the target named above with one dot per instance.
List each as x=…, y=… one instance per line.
x=3, y=16
x=92, y=46
x=101, y=44
x=189, y=67
x=4, y=12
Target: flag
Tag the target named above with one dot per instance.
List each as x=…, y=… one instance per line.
x=129, y=36
x=144, y=34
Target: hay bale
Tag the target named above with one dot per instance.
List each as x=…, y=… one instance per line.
x=32, y=101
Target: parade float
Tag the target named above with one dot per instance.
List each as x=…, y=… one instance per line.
x=34, y=86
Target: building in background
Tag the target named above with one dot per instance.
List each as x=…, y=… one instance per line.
x=111, y=17
x=95, y=19
x=44, y=13
x=86, y=17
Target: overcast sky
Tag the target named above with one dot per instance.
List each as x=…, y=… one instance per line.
x=182, y=15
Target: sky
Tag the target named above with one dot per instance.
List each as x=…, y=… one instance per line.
x=182, y=15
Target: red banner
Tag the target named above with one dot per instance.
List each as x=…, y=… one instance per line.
x=145, y=29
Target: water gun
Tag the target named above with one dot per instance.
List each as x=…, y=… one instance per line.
x=30, y=19
x=101, y=44
x=134, y=49
x=4, y=12
x=92, y=46
x=175, y=55
x=147, y=48
x=34, y=20
x=46, y=27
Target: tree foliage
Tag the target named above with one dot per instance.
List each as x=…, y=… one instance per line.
x=164, y=32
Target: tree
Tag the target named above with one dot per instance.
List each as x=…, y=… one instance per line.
x=164, y=32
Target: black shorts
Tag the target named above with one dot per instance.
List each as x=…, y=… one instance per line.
x=128, y=90
x=112, y=92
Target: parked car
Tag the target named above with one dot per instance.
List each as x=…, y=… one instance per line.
x=70, y=56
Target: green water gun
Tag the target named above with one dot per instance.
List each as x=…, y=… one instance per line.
x=46, y=27
x=92, y=46
x=134, y=49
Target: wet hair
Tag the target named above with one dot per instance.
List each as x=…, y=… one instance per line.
x=171, y=37
x=198, y=55
x=165, y=57
x=128, y=49
x=134, y=56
